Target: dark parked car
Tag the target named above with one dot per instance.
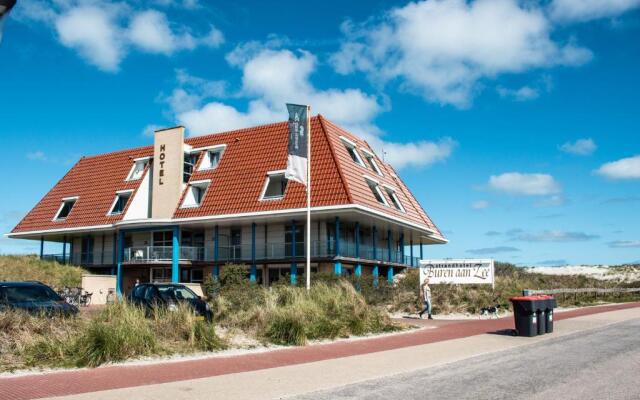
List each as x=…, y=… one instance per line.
x=169, y=295
x=34, y=297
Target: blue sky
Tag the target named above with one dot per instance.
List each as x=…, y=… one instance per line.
x=515, y=123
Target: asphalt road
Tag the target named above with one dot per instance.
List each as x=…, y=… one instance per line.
x=599, y=364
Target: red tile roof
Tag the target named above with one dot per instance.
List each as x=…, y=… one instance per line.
x=236, y=183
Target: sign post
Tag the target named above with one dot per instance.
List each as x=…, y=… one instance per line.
x=458, y=271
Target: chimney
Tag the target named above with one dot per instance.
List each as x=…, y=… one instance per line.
x=168, y=166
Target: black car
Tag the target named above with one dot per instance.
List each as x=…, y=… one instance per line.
x=169, y=295
x=33, y=297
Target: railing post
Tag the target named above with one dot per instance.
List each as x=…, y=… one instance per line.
x=358, y=271
x=64, y=249
x=41, y=247
x=175, y=255
x=216, y=245
x=293, y=273
x=118, y=257
x=389, y=244
x=402, y=260
x=337, y=265
x=252, y=276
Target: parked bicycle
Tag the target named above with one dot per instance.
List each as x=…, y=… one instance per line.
x=75, y=296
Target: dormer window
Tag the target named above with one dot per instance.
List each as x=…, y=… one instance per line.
x=275, y=186
x=190, y=160
x=120, y=202
x=211, y=157
x=352, y=150
x=391, y=192
x=137, y=169
x=195, y=193
x=65, y=208
x=375, y=189
x=371, y=160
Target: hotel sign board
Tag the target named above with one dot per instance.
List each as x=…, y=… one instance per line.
x=458, y=271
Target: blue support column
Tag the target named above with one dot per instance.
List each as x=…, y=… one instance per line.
x=374, y=246
x=389, y=257
x=390, y=275
x=114, y=254
x=64, y=249
x=216, y=247
x=402, y=260
x=358, y=269
x=253, y=274
x=175, y=255
x=411, y=251
x=337, y=265
x=294, y=267
x=118, y=256
x=41, y=247
x=71, y=251
x=421, y=255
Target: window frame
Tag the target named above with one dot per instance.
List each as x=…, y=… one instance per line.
x=270, y=174
x=202, y=184
x=351, y=146
x=371, y=159
x=219, y=148
x=376, y=186
x=65, y=200
x=129, y=192
x=393, y=196
x=136, y=161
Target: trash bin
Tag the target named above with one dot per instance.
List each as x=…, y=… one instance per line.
x=540, y=305
x=550, y=304
x=524, y=313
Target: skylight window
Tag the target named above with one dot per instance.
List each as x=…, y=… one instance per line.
x=120, y=202
x=65, y=208
x=212, y=157
x=137, y=169
x=353, y=151
x=275, y=186
x=195, y=193
x=190, y=160
x=375, y=189
x=371, y=159
x=391, y=192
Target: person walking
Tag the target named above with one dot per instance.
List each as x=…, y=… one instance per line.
x=425, y=292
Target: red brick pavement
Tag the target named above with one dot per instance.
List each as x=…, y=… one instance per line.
x=121, y=376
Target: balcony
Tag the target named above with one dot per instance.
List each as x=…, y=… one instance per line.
x=161, y=254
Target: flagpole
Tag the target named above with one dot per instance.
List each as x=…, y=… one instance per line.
x=308, y=269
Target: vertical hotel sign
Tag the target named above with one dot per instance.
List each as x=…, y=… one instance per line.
x=168, y=167
x=458, y=271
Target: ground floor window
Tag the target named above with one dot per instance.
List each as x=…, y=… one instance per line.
x=194, y=275
x=160, y=274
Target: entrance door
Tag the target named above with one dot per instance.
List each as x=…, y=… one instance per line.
x=86, y=250
x=236, y=244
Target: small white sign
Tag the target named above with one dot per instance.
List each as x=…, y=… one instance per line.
x=459, y=272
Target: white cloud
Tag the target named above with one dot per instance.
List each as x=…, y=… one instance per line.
x=442, y=49
x=93, y=32
x=585, y=10
x=581, y=147
x=272, y=77
x=522, y=94
x=624, y=244
x=527, y=184
x=103, y=32
x=625, y=168
x=553, y=236
x=37, y=155
x=551, y=201
x=493, y=250
x=480, y=204
x=151, y=32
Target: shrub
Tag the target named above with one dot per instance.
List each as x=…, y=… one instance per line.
x=31, y=268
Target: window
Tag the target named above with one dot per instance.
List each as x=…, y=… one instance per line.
x=190, y=160
x=371, y=159
x=65, y=208
x=212, y=156
x=353, y=152
x=137, y=169
x=375, y=189
x=159, y=275
x=120, y=202
x=195, y=193
x=162, y=239
x=391, y=192
x=275, y=186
